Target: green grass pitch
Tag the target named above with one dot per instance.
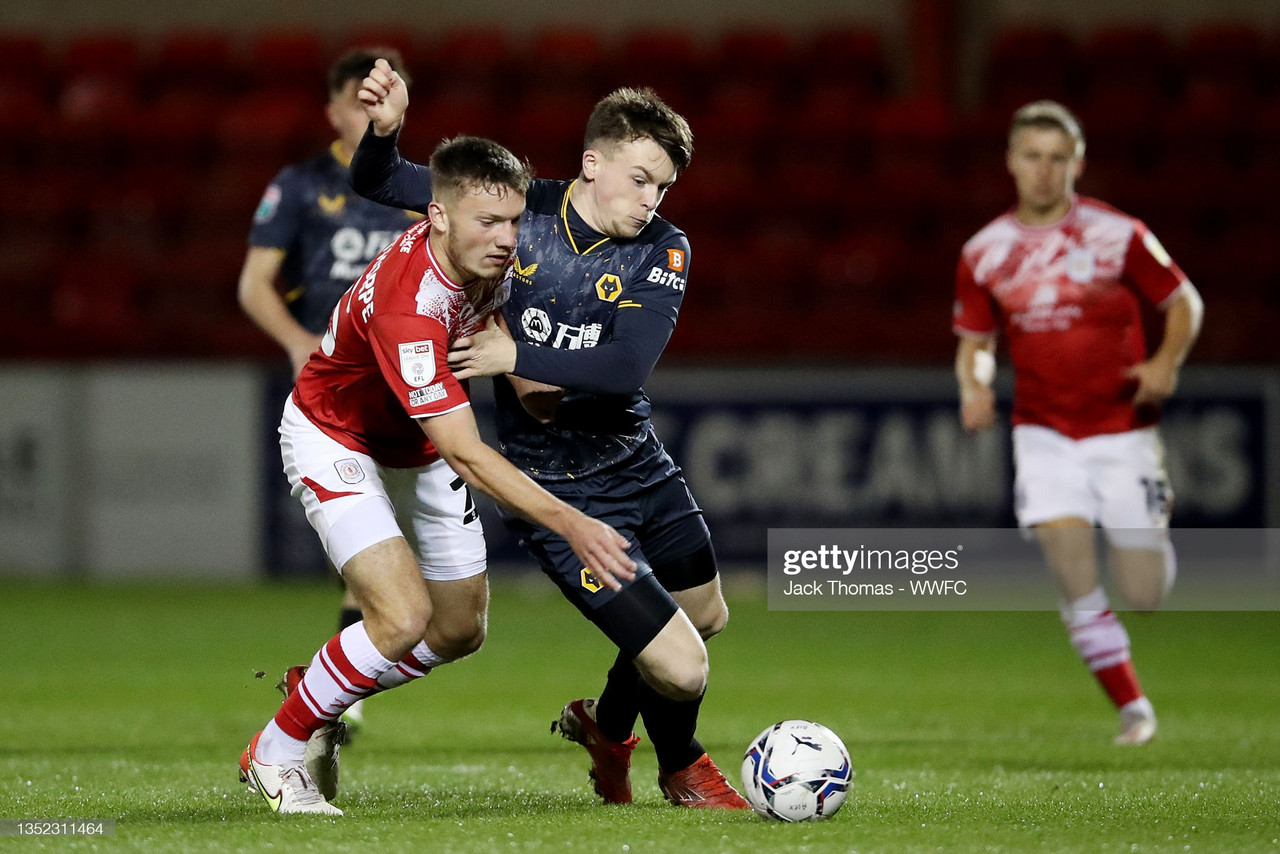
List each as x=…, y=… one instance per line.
x=969, y=731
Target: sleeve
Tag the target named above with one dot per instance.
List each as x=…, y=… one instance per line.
x=280, y=212
x=380, y=174
x=620, y=366
x=972, y=313
x=660, y=280
x=1148, y=267
x=412, y=352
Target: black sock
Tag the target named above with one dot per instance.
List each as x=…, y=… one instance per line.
x=349, y=617
x=670, y=725
x=619, y=703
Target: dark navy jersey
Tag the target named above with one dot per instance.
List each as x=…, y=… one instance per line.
x=569, y=286
x=569, y=289
x=328, y=233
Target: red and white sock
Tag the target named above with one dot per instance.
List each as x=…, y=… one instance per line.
x=418, y=663
x=346, y=669
x=1100, y=639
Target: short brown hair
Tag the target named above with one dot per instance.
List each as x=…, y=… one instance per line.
x=626, y=115
x=357, y=63
x=1050, y=115
x=468, y=162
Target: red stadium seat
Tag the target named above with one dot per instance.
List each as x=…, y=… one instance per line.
x=669, y=60
x=762, y=56
x=1136, y=57
x=194, y=60
x=565, y=58
x=24, y=59
x=288, y=59
x=1029, y=64
x=851, y=58
x=474, y=56
x=113, y=55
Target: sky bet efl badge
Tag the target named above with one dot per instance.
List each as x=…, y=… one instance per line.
x=418, y=362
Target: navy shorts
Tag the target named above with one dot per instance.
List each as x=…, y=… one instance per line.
x=657, y=514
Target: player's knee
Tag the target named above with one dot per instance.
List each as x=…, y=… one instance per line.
x=683, y=678
x=457, y=637
x=396, y=631
x=713, y=619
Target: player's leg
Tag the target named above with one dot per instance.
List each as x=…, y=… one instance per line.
x=1128, y=469
x=348, y=615
x=1136, y=499
x=1056, y=497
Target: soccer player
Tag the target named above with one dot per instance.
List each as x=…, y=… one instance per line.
x=599, y=280
x=1060, y=277
x=312, y=236
x=379, y=443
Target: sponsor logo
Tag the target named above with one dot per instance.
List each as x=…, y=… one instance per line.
x=430, y=394
x=524, y=274
x=332, y=205
x=1081, y=264
x=1046, y=294
x=274, y=800
x=418, y=362
x=659, y=276
x=609, y=287
x=577, y=337
x=268, y=205
x=675, y=260
x=536, y=324
x=349, y=470
x=589, y=582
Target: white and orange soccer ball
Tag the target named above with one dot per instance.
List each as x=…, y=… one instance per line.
x=796, y=771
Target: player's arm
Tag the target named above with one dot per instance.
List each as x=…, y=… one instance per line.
x=261, y=300
x=598, y=546
x=1158, y=376
x=378, y=172
x=619, y=366
x=975, y=369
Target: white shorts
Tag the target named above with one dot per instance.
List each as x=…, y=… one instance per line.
x=1116, y=480
x=353, y=502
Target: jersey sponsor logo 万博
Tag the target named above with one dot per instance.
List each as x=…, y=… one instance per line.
x=418, y=362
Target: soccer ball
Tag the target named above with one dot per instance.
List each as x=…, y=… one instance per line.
x=796, y=771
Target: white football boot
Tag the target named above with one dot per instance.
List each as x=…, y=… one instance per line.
x=287, y=788
x=1137, y=723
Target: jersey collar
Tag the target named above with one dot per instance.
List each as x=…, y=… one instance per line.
x=568, y=228
x=335, y=149
x=435, y=265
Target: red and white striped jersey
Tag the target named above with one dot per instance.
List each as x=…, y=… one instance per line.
x=1066, y=297
x=383, y=361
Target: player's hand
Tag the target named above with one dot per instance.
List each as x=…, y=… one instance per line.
x=385, y=98
x=1156, y=379
x=602, y=550
x=487, y=353
x=977, y=409
x=301, y=351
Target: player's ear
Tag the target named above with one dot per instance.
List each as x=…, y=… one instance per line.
x=438, y=216
x=1077, y=169
x=590, y=164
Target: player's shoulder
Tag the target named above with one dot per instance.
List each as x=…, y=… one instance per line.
x=1002, y=229
x=546, y=195
x=1096, y=211
x=661, y=233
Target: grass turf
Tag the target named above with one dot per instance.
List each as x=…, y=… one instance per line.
x=969, y=731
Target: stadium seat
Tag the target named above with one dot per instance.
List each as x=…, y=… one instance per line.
x=194, y=60
x=669, y=60
x=1139, y=58
x=483, y=57
x=24, y=60
x=851, y=58
x=102, y=55
x=1027, y=64
x=761, y=56
x=287, y=59
x=565, y=57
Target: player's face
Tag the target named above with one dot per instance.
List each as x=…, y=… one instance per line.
x=347, y=117
x=1044, y=167
x=480, y=230
x=627, y=182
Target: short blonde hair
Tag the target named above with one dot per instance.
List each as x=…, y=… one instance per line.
x=1048, y=114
